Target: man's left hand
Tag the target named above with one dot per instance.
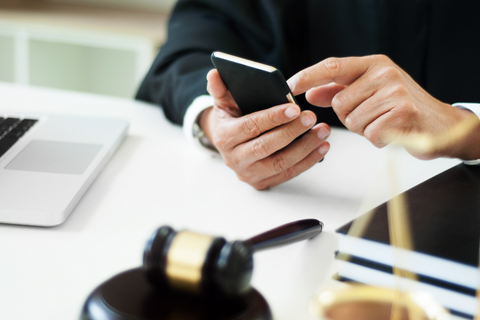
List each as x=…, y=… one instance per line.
x=371, y=95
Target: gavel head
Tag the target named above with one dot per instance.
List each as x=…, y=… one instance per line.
x=197, y=263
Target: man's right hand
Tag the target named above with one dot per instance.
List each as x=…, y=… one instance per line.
x=258, y=146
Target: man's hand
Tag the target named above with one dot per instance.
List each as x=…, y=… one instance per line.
x=372, y=96
x=258, y=146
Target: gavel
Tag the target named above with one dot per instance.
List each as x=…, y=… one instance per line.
x=191, y=262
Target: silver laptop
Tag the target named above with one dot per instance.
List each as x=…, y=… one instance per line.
x=47, y=162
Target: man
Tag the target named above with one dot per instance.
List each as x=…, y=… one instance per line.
x=406, y=63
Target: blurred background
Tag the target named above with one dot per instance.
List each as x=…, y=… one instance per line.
x=96, y=46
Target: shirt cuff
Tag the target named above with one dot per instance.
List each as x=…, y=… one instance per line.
x=190, y=119
x=475, y=108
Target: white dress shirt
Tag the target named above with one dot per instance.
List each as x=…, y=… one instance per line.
x=475, y=108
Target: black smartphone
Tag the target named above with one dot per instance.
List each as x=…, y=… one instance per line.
x=254, y=86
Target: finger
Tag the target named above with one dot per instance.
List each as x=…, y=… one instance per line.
x=322, y=96
x=345, y=101
x=223, y=114
x=394, y=120
x=274, y=140
x=309, y=161
x=232, y=110
x=294, y=152
x=254, y=124
x=217, y=89
x=339, y=70
x=215, y=86
x=374, y=106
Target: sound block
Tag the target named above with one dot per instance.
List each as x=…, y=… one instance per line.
x=128, y=296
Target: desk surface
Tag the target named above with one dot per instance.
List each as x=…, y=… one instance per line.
x=155, y=179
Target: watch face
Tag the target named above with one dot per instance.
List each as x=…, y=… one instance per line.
x=197, y=131
x=200, y=138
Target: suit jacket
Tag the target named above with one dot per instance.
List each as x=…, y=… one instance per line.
x=436, y=41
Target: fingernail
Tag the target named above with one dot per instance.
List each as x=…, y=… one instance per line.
x=292, y=82
x=206, y=77
x=323, y=133
x=291, y=112
x=323, y=149
x=307, y=120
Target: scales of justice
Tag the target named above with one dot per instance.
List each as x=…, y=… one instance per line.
x=404, y=302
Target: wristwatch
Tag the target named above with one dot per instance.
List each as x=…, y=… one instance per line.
x=200, y=138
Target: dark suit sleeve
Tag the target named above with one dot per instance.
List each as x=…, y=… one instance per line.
x=196, y=29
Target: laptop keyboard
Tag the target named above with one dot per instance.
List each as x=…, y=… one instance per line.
x=11, y=129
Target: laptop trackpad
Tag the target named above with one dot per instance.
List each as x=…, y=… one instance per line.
x=55, y=157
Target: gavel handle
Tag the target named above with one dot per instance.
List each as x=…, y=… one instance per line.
x=286, y=234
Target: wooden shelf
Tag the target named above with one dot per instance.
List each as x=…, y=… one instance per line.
x=151, y=25
x=78, y=47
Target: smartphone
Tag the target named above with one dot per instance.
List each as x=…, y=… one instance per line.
x=254, y=86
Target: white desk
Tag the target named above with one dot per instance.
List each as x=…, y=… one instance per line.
x=156, y=179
